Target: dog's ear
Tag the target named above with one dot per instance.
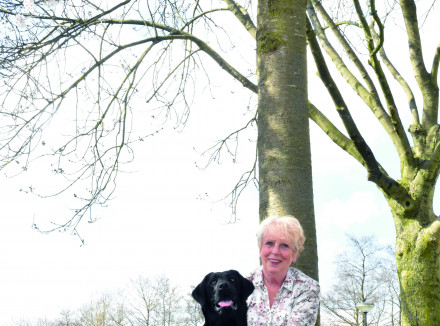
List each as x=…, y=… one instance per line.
x=199, y=293
x=248, y=286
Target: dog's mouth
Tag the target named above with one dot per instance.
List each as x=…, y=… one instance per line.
x=226, y=304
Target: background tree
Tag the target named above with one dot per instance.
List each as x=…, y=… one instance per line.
x=67, y=318
x=170, y=303
x=39, y=322
x=390, y=280
x=155, y=303
x=165, y=47
x=193, y=311
x=364, y=272
x=101, y=312
x=145, y=302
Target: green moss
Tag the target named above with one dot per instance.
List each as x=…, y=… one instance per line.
x=417, y=261
x=416, y=129
x=269, y=42
x=276, y=7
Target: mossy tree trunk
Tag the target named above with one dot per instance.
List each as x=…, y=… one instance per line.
x=417, y=254
x=284, y=157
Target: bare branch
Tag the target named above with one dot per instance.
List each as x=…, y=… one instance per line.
x=373, y=95
x=375, y=172
x=334, y=133
x=363, y=150
x=409, y=94
x=423, y=78
x=90, y=155
x=243, y=16
x=435, y=65
x=248, y=177
x=391, y=123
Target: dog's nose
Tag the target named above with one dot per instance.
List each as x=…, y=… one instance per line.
x=222, y=285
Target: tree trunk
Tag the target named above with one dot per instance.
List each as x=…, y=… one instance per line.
x=285, y=171
x=418, y=256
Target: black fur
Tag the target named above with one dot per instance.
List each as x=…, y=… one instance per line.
x=224, y=287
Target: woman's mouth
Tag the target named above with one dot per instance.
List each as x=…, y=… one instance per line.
x=274, y=261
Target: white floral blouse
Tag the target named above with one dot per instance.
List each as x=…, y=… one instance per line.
x=296, y=303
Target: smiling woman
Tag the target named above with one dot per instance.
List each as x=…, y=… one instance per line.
x=283, y=295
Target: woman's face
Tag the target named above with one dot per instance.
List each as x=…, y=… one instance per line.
x=276, y=253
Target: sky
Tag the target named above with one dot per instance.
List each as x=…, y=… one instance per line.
x=167, y=217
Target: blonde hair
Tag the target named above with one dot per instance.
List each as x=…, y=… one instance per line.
x=287, y=226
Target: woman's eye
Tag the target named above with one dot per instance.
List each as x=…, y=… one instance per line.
x=269, y=243
x=284, y=246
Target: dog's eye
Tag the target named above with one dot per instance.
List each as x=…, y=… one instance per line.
x=232, y=279
x=213, y=282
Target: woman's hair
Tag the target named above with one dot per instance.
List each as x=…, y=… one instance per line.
x=287, y=226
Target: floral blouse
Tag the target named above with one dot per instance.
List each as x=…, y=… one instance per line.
x=296, y=303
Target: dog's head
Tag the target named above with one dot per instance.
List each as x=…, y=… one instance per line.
x=223, y=291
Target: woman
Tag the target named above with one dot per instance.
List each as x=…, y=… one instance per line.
x=283, y=295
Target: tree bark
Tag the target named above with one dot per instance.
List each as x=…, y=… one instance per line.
x=284, y=156
x=418, y=256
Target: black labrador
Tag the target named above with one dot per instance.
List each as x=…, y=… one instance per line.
x=223, y=297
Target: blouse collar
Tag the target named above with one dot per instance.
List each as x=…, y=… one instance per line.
x=289, y=281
